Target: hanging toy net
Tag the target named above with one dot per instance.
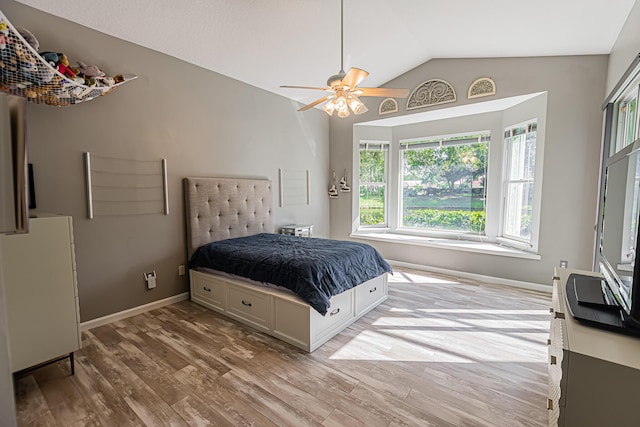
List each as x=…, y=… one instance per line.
x=24, y=72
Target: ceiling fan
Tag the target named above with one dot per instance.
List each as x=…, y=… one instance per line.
x=343, y=87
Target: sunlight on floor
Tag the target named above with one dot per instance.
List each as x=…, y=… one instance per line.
x=404, y=277
x=462, y=323
x=450, y=335
x=445, y=345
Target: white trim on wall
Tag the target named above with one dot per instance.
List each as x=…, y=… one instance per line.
x=479, y=277
x=94, y=323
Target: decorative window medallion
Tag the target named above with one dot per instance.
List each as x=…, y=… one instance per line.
x=431, y=92
x=482, y=87
x=387, y=106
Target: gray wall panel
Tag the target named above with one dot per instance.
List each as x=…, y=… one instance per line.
x=203, y=123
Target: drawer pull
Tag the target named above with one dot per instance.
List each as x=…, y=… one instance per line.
x=558, y=315
x=554, y=360
x=550, y=404
x=248, y=304
x=206, y=289
x=373, y=290
x=550, y=309
x=549, y=341
x=334, y=312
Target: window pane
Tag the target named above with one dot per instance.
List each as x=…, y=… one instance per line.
x=372, y=187
x=631, y=121
x=372, y=205
x=523, y=156
x=518, y=209
x=372, y=166
x=443, y=188
x=626, y=121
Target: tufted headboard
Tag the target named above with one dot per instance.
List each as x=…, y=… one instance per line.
x=222, y=208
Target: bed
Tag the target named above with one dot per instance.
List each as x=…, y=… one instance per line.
x=223, y=210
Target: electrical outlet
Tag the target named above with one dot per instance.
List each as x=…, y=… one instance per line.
x=564, y=264
x=150, y=278
x=181, y=270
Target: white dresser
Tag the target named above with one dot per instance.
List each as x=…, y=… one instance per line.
x=594, y=374
x=41, y=292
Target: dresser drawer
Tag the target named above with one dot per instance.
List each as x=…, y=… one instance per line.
x=369, y=293
x=340, y=312
x=252, y=307
x=208, y=291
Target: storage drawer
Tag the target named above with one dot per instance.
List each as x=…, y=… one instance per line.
x=291, y=322
x=369, y=293
x=209, y=292
x=340, y=312
x=252, y=307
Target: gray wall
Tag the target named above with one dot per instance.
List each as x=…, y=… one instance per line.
x=203, y=123
x=575, y=86
x=625, y=49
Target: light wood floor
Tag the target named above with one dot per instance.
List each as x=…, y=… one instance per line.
x=439, y=352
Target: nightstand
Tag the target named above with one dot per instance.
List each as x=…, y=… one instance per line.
x=297, y=230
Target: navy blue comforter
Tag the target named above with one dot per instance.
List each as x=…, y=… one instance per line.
x=315, y=269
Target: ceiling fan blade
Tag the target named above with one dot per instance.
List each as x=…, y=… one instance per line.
x=382, y=91
x=306, y=87
x=316, y=102
x=354, y=77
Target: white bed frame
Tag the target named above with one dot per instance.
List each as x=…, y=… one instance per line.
x=221, y=208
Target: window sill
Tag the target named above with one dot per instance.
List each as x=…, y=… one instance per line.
x=455, y=245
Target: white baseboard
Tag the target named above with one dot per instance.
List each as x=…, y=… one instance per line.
x=94, y=323
x=479, y=277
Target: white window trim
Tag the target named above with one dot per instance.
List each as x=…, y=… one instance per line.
x=486, y=248
x=632, y=91
x=532, y=243
x=455, y=235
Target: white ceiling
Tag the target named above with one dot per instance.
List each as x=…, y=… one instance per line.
x=268, y=43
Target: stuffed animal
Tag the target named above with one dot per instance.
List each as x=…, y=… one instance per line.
x=26, y=60
x=63, y=66
x=4, y=32
x=51, y=57
x=106, y=81
x=29, y=38
x=89, y=70
x=60, y=62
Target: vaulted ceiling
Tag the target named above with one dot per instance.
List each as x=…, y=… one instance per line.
x=268, y=43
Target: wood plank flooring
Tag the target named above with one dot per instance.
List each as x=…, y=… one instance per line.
x=439, y=352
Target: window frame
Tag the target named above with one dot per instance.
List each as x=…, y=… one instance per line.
x=384, y=146
x=439, y=141
x=507, y=162
x=619, y=134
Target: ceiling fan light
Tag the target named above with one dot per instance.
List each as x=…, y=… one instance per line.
x=342, y=106
x=356, y=105
x=329, y=107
